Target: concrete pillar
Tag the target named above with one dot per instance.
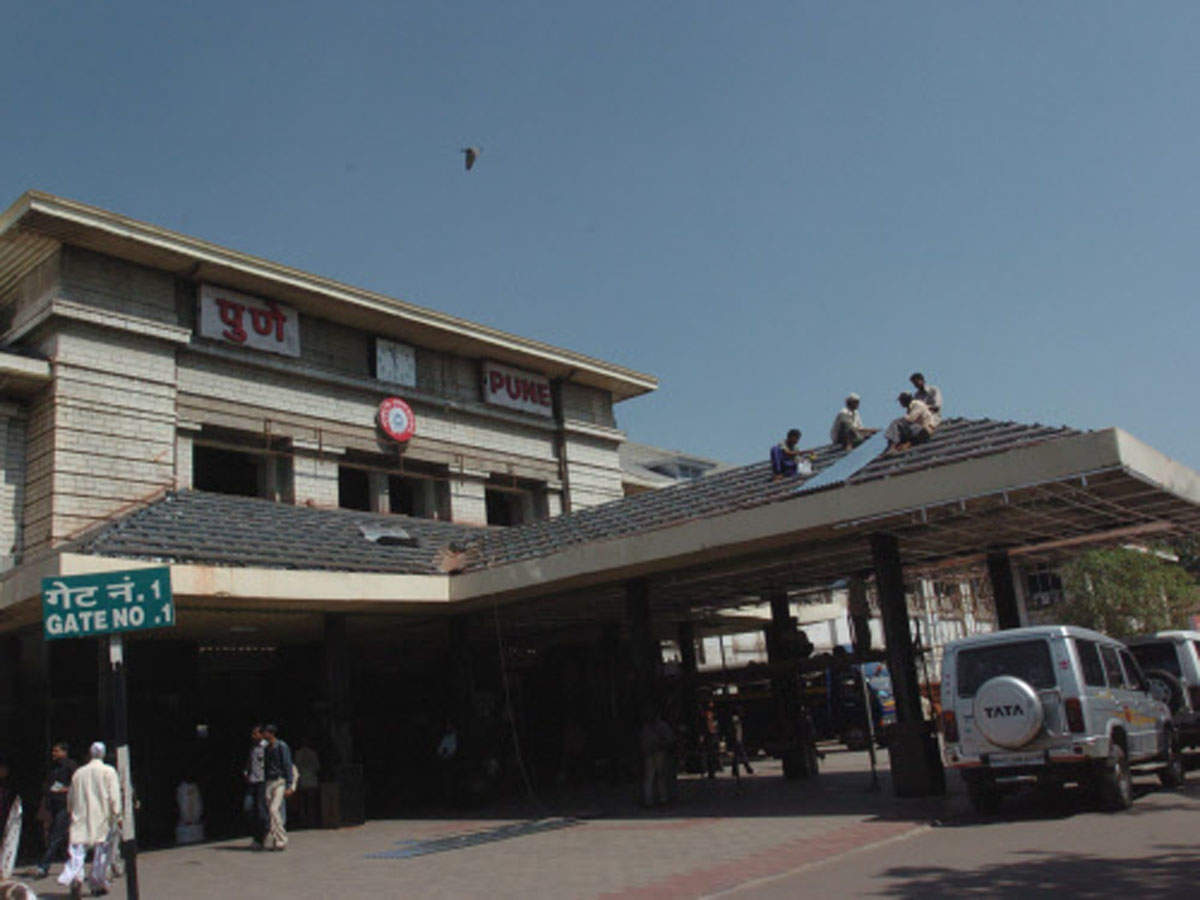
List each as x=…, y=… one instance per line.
x=859, y=610
x=185, y=436
x=336, y=683
x=468, y=502
x=791, y=725
x=645, y=653
x=315, y=477
x=380, y=495
x=1004, y=590
x=689, y=708
x=913, y=749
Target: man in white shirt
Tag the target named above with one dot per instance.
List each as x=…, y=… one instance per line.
x=928, y=394
x=914, y=427
x=847, y=431
x=94, y=804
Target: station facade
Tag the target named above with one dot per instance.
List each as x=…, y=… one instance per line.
x=381, y=520
x=136, y=361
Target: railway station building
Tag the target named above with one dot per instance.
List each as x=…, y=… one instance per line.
x=379, y=518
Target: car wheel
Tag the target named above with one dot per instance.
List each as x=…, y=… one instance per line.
x=983, y=795
x=1166, y=688
x=1173, y=773
x=1116, y=781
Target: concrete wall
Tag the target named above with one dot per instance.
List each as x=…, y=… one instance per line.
x=102, y=436
x=12, y=481
x=133, y=388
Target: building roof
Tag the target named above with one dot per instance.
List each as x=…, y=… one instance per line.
x=640, y=462
x=197, y=527
x=32, y=229
x=220, y=529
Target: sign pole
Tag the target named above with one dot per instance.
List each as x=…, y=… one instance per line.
x=116, y=659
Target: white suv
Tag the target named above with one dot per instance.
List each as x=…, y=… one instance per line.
x=1171, y=661
x=1051, y=705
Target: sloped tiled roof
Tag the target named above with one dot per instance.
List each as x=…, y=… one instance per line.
x=199, y=527
x=191, y=526
x=745, y=487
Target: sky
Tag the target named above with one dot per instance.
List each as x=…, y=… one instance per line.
x=764, y=204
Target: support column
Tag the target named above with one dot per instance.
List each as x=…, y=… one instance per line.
x=468, y=498
x=916, y=764
x=689, y=709
x=790, y=726
x=645, y=654
x=379, y=492
x=1004, y=590
x=335, y=662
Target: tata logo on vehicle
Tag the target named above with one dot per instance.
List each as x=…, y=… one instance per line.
x=1007, y=711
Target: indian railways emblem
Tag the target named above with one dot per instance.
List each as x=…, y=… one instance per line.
x=396, y=419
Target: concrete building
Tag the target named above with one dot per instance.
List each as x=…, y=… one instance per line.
x=171, y=403
x=137, y=360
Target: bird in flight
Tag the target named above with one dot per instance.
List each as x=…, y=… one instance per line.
x=471, y=154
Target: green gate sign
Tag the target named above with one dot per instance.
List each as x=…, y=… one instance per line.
x=80, y=606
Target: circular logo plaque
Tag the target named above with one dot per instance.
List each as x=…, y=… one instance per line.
x=396, y=419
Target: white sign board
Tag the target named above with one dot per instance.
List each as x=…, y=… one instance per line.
x=245, y=321
x=526, y=391
x=395, y=363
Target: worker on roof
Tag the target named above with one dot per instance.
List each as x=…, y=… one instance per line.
x=915, y=427
x=847, y=431
x=785, y=456
x=929, y=395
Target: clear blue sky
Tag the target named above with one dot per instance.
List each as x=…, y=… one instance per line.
x=766, y=204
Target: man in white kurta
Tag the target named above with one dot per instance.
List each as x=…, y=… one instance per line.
x=94, y=804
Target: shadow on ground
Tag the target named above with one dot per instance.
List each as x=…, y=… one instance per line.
x=1170, y=872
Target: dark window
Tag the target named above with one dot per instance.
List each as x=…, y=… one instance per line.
x=1159, y=655
x=1112, y=666
x=1027, y=660
x=503, y=507
x=1133, y=673
x=226, y=471
x=354, y=489
x=404, y=497
x=1089, y=660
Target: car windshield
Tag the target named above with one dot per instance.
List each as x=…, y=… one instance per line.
x=1158, y=655
x=1027, y=660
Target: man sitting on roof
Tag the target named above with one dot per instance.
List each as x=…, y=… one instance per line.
x=785, y=457
x=847, y=431
x=928, y=394
x=912, y=428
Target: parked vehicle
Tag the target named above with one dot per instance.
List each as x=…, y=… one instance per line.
x=1052, y=705
x=1171, y=661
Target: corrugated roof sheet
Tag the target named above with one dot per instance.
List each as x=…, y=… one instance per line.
x=191, y=526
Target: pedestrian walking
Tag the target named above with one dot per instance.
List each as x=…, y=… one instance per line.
x=279, y=775
x=54, y=801
x=255, y=803
x=712, y=739
x=94, y=805
x=10, y=822
x=737, y=742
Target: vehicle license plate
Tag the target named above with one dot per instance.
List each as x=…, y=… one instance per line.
x=999, y=760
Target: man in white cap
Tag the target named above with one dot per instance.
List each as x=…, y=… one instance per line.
x=847, y=431
x=94, y=804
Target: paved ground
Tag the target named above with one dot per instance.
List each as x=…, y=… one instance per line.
x=768, y=837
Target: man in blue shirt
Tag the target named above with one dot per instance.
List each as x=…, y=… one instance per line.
x=785, y=456
x=280, y=784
